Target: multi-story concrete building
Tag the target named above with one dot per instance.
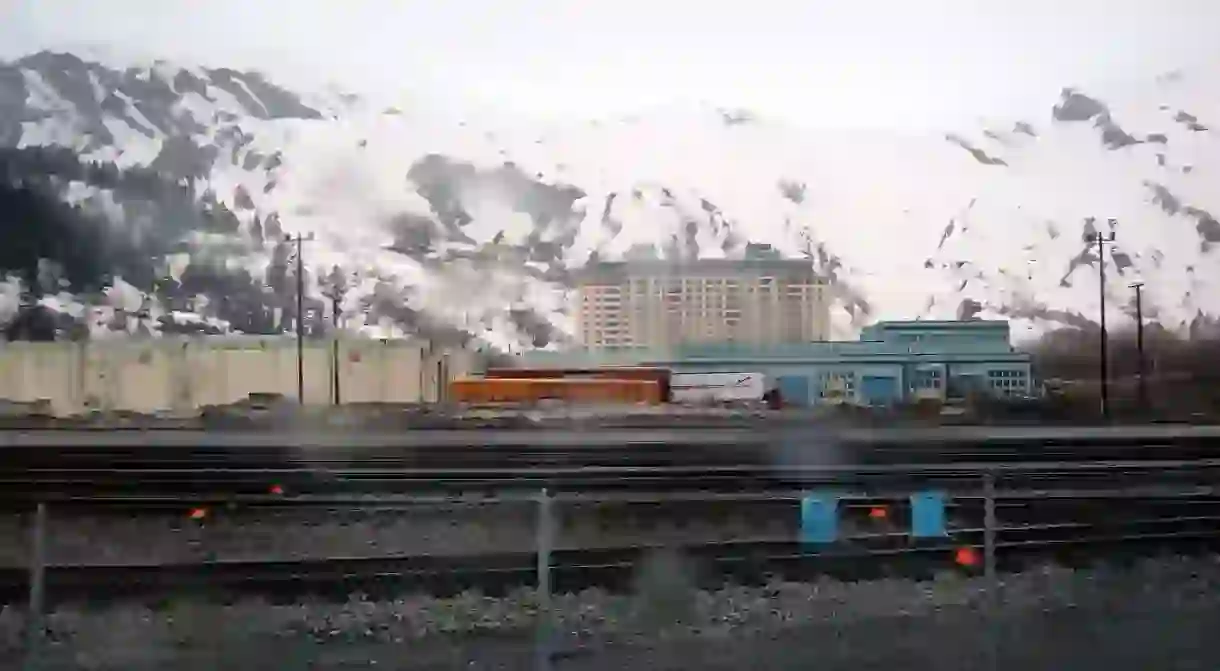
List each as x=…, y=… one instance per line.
x=650, y=304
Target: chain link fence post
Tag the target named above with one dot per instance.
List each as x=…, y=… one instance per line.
x=34, y=621
x=545, y=541
x=992, y=586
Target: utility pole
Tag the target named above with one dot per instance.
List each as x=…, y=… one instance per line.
x=299, y=240
x=1141, y=388
x=335, y=288
x=334, y=348
x=1104, y=362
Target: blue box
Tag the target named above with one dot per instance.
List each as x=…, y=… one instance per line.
x=928, y=515
x=819, y=518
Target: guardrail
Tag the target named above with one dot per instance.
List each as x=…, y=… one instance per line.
x=967, y=517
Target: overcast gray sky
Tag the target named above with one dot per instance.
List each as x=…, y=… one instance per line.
x=824, y=63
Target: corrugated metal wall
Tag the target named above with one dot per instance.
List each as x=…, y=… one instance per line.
x=172, y=374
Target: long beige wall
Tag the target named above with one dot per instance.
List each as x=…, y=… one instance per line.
x=184, y=374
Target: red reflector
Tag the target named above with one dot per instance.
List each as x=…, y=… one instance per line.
x=966, y=557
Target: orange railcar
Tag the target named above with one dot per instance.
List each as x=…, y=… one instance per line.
x=661, y=376
x=571, y=390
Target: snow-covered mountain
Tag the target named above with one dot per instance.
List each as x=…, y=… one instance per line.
x=451, y=224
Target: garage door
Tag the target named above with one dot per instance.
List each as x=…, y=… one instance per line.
x=879, y=389
x=794, y=389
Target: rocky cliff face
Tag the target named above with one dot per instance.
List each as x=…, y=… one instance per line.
x=157, y=199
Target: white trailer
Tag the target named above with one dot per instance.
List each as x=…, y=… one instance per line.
x=717, y=387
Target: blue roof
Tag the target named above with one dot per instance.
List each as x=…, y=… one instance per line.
x=873, y=347
x=853, y=352
x=866, y=348
x=875, y=352
x=971, y=324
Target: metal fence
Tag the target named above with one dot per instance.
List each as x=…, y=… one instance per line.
x=956, y=558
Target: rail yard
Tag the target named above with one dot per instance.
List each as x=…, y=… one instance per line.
x=431, y=518
x=582, y=492
x=734, y=496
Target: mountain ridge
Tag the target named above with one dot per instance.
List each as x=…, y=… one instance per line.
x=471, y=229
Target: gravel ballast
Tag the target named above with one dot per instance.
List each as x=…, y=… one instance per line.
x=1157, y=614
x=82, y=538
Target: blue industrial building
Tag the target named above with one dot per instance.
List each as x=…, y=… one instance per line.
x=892, y=362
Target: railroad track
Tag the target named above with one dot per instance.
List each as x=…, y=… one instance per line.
x=710, y=564
x=79, y=464
x=182, y=480
x=592, y=438
x=747, y=449
x=1049, y=508
x=1042, y=512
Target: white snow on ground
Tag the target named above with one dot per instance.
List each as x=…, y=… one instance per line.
x=42, y=95
x=359, y=188
x=182, y=317
x=99, y=93
x=123, y=296
x=134, y=148
x=1066, y=177
x=48, y=132
x=10, y=298
x=491, y=219
x=223, y=101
